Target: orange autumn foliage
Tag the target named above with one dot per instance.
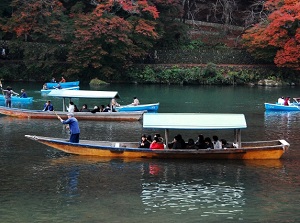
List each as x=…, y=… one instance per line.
x=279, y=34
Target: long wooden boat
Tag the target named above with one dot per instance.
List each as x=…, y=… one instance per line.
x=63, y=85
x=189, y=121
x=142, y=107
x=47, y=91
x=15, y=99
x=69, y=94
x=98, y=116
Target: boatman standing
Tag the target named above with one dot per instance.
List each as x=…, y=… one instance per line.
x=73, y=126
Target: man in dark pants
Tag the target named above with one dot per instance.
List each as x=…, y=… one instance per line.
x=73, y=126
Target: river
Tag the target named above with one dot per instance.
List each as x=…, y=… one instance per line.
x=40, y=184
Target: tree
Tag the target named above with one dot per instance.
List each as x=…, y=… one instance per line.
x=278, y=37
x=36, y=20
x=112, y=35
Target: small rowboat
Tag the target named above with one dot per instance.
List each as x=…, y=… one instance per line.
x=63, y=85
x=189, y=121
x=46, y=91
x=294, y=106
x=279, y=107
x=143, y=107
x=15, y=99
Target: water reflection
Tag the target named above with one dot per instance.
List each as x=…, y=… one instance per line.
x=178, y=194
x=282, y=124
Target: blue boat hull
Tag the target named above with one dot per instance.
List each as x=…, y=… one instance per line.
x=15, y=99
x=144, y=107
x=63, y=85
x=278, y=107
x=43, y=91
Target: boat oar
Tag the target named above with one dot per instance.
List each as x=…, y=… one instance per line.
x=57, y=115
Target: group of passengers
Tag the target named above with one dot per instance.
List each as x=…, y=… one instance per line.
x=156, y=143
x=179, y=143
x=58, y=86
x=284, y=101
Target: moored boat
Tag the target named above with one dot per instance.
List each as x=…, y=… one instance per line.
x=142, y=107
x=15, y=99
x=186, y=121
x=46, y=91
x=70, y=94
x=51, y=85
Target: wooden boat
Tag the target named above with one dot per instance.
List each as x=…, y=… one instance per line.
x=51, y=85
x=143, y=107
x=98, y=116
x=69, y=94
x=46, y=91
x=15, y=99
x=168, y=121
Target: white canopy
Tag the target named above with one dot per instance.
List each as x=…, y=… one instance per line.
x=194, y=121
x=84, y=94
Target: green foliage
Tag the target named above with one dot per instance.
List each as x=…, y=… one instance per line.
x=210, y=74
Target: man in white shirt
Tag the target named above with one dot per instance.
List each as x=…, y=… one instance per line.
x=280, y=101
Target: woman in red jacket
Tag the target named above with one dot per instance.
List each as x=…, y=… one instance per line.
x=156, y=144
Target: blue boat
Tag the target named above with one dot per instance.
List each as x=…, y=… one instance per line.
x=47, y=91
x=15, y=99
x=63, y=85
x=144, y=107
x=280, y=107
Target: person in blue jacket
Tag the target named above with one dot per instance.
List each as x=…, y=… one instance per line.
x=48, y=106
x=73, y=126
x=23, y=93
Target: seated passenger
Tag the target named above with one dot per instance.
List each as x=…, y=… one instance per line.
x=135, y=101
x=48, y=106
x=144, y=142
x=84, y=108
x=102, y=107
x=96, y=109
x=216, y=142
x=225, y=145
x=209, y=144
x=176, y=144
x=23, y=93
x=191, y=144
x=200, y=142
x=287, y=101
x=107, y=108
x=156, y=144
x=280, y=100
x=71, y=107
x=181, y=141
x=75, y=108
x=58, y=86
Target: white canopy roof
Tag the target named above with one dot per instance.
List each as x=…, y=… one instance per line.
x=194, y=121
x=84, y=94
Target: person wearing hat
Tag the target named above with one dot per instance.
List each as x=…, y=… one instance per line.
x=73, y=126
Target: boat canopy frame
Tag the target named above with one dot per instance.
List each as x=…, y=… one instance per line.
x=196, y=121
x=69, y=94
